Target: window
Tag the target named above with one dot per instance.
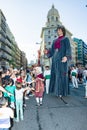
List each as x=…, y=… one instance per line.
x=49, y=37
x=52, y=18
x=49, y=31
x=49, y=43
x=55, y=36
x=56, y=18
x=48, y=20
x=55, y=31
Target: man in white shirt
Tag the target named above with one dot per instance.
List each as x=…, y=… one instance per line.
x=74, y=77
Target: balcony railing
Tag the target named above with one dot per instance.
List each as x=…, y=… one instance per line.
x=8, y=43
x=2, y=39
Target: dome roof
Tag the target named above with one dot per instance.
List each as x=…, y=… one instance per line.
x=53, y=11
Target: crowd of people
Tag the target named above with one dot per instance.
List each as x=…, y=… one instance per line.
x=17, y=85
x=78, y=75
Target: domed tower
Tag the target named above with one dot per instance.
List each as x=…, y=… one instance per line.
x=53, y=18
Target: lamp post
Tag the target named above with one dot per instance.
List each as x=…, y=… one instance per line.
x=38, y=54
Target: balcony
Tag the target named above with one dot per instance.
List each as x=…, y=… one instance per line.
x=3, y=48
x=6, y=49
x=2, y=39
x=8, y=39
x=3, y=26
x=8, y=43
x=3, y=56
x=3, y=33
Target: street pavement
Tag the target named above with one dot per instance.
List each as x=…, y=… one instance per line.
x=69, y=113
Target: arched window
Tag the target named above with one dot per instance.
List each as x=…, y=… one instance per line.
x=48, y=20
x=56, y=18
x=49, y=43
x=49, y=37
x=49, y=31
x=52, y=18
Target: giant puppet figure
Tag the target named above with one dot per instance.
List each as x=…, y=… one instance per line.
x=61, y=54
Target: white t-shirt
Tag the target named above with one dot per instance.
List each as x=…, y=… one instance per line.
x=19, y=94
x=85, y=73
x=5, y=114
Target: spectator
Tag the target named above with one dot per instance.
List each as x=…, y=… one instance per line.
x=47, y=74
x=11, y=89
x=39, y=87
x=19, y=99
x=74, y=77
x=5, y=114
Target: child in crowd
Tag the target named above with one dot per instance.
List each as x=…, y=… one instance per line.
x=5, y=114
x=19, y=99
x=11, y=89
x=47, y=78
x=19, y=78
x=39, y=87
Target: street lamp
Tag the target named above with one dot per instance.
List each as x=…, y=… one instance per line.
x=37, y=43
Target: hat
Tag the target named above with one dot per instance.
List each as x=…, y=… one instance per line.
x=60, y=27
x=19, y=80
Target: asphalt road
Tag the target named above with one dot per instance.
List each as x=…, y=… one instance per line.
x=69, y=113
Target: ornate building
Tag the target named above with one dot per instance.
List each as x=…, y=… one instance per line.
x=49, y=33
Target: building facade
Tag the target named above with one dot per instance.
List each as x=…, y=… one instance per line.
x=81, y=51
x=10, y=54
x=5, y=46
x=74, y=52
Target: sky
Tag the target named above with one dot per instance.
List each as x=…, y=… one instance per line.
x=27, y=17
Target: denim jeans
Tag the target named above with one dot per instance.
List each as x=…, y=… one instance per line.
x=19, y=108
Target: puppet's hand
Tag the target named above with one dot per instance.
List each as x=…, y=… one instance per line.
x=64, y=59
x=46, y=51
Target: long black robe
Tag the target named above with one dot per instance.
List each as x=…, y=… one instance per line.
x=59, y=70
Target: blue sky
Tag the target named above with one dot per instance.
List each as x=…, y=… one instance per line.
x=27, y=17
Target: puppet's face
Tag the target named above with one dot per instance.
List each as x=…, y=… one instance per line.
x=60, y=32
